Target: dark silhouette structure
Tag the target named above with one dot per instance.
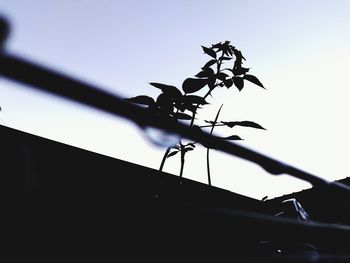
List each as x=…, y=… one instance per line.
x=61, y=202
x=321, y=205
x=174, y=104
x=70, y=202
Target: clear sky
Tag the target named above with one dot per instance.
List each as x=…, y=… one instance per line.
x=298, y=49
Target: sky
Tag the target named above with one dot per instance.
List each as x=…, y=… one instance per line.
x=298, y=49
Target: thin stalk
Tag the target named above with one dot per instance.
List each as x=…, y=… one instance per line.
x=164, y=158
x=208, y=168
x=211, y=132
x=195, y=111
x=183, y=152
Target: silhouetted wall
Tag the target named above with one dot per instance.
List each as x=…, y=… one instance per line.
x=69, y=201
x=62, y=202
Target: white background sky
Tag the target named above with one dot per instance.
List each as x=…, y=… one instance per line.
x=298, y=49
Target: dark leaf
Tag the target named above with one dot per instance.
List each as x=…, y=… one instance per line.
x=191, y=85
x=233, y=138
x=230, y=50
x=250, y=124
x=221, y=84
x=211, y=122
x=228, y=83
x=238, y=54
x=221, y=76
x=254, y=80
x=240, y=71
x=217, y=45
x=190, y=107
x=209, y=51
x=142, y=99
x=180, y=106
x=172, y=154
x=205, y=73
x=238, y=81
x=230, y=124
x=225, y=58
x=238, y=64
x=211, y=82
x=175, y=92
x=194, y=99
x=165, y=103
x=182, y=116
x=188, y=149
x=209, y=63
x=191, y=144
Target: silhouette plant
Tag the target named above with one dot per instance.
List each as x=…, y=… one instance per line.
x=175, y=105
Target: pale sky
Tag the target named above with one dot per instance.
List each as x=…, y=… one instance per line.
x=299, y=49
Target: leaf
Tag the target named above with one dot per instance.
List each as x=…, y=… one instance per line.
x=238, y=81
x=142, y=99
x=226, y=48
x=230, y=124
x=175, y=92
x=221, y=76
x=191, y=85
x=209, y=51
x=209, y=63
x=238, y=54
x=254, y=80
x=233, y=138
x=192, y=108
x=194, y=99
x=228, y=83
x=182, y=116
x=205, y=73
x=210, y=122
x=225, y=58
x=188, y=149
x=217, y=45
x=211, y=82
x=172, y=154
x=240, y=71
x=164, y=101
x=230, y=50
x=250, y=124
x=191, y=144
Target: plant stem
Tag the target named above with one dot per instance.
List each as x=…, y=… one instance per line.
x=208, y=168
x=182, y=160
x=164, y=158
x=211, y=132
x=195, y=111
x=166, y=153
